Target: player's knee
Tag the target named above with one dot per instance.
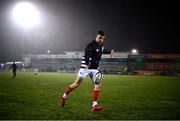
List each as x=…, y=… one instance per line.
x=75, y=84
x=97, y=87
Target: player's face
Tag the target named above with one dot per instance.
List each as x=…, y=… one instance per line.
x=100, y=39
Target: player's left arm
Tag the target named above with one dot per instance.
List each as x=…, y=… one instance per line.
x=108, y=51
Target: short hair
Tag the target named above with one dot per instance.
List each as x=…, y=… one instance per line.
x=101, y=33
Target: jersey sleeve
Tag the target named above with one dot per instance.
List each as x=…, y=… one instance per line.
x=106, y=51
x=88, y=53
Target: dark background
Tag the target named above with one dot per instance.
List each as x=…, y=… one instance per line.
x=151, y=26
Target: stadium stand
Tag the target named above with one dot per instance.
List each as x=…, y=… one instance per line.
x=70, y=62
x=154, y=64
x=120, y=63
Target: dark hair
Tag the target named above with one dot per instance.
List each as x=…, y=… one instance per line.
x=101, y=33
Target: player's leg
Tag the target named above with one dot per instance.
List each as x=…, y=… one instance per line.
x=70, y=89
x=81, y=75
x=96, y=92
x=72, y=86
x=14, y=73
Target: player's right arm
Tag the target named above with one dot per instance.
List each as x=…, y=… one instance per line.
x=88, y=54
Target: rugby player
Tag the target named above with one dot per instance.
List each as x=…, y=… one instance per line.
x=90, y=67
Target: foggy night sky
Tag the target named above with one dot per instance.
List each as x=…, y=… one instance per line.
x=69, y=25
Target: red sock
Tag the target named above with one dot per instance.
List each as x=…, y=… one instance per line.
x=68, y=90
x=95, y=95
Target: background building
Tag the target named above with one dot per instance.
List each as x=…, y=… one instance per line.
x=70, y=62
x=120, y=63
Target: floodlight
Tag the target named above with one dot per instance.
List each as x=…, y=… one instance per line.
x=134, y=51
x=26, y=14
x=48, y=51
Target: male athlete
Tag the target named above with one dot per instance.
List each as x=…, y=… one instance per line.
x=90, y=67
x=14, y=67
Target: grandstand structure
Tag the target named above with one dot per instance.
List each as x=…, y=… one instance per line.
x=155, y=64
x=69, y=61
x=120, y=63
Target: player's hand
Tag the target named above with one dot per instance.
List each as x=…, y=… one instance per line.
x=112, y=52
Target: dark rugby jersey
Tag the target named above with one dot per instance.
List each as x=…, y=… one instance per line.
x=93, y=53
x=14, y=67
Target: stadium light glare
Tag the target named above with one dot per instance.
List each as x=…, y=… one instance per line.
x=134, y=52
x=2, y=64
x=48, y=51
x=26, y=14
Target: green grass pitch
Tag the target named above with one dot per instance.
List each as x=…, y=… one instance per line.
x=34, y=97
